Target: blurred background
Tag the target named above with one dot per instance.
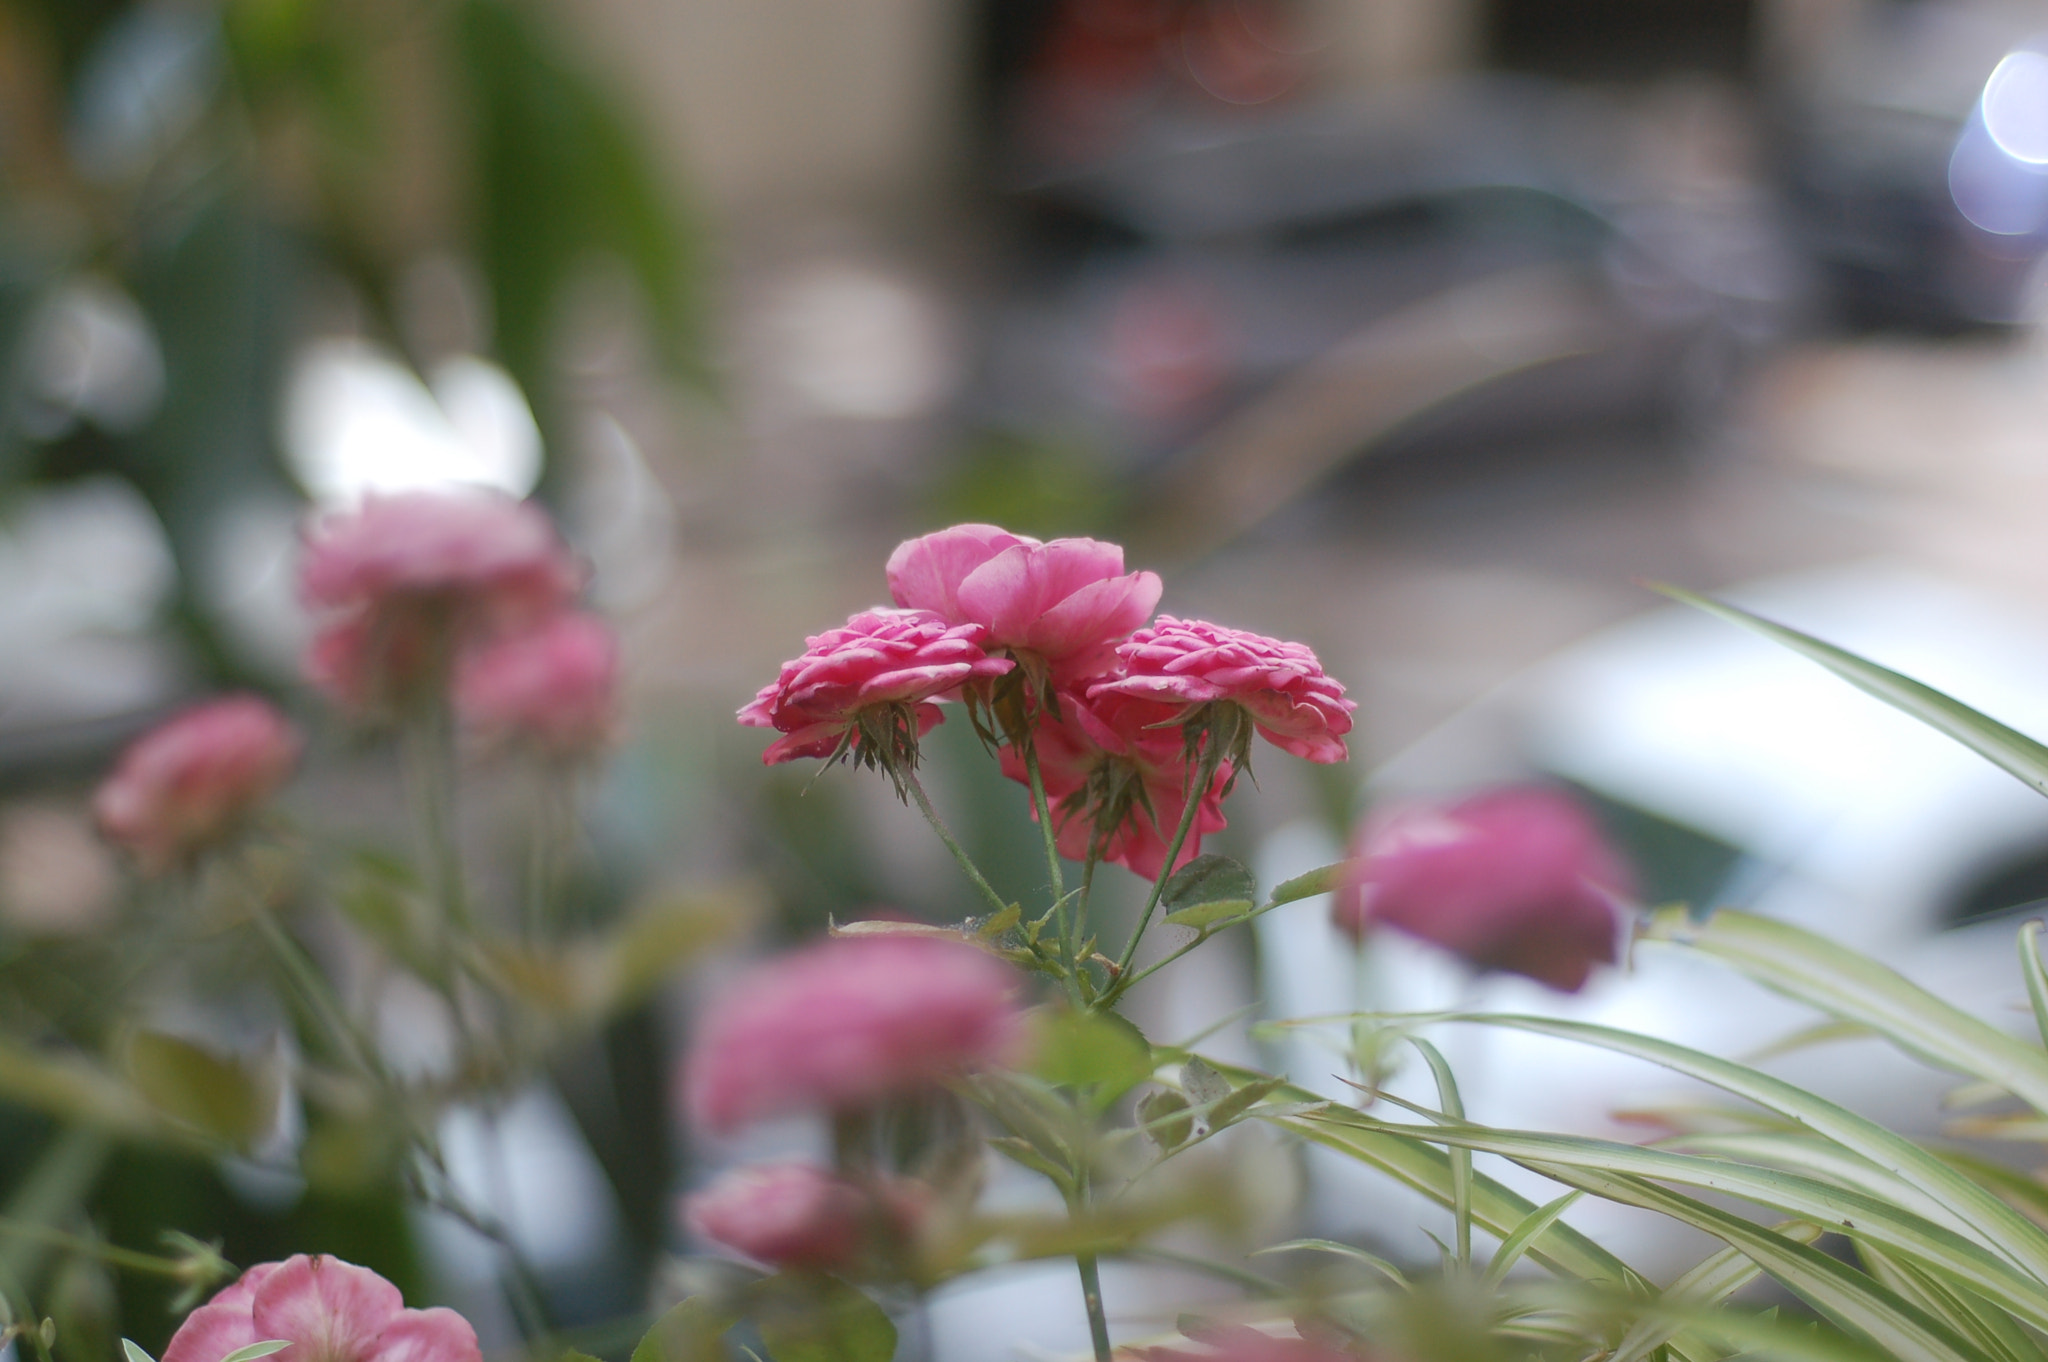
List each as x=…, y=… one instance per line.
x=1424, y=331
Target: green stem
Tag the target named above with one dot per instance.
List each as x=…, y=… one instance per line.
x=130, y=1259
x=1053, y=874
x=430, y=762
x=313, y=987
x=1198, y=788
x=1091, y=1297
x=931, y=816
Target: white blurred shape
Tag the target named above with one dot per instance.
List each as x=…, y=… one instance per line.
x=251, y=582
x=2015, y=105
x=854, y=342
x=93, y=356
x=143, y=87
x=359, y=422
x=622, y=517
x=527, y=1166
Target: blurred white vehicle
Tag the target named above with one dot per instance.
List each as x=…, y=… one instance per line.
x=1752, y=778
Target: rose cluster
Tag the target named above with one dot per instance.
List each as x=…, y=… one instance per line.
x=1118, y=720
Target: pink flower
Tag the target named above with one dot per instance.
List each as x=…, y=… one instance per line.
x=330, y=1311
x=1068, y=601
x=880, y=664
x=1103, y=761
x=1292, y=702
x=1515, y=879
x=190, y=781
x=849, y=1021
x=403, y=581
x=555, y=686
x=798, y=1215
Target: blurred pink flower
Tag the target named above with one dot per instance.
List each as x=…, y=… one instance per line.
x=1242, y=1343
x=799, y=1215
x=554, y=686
x=401, y=583
x=1068, y=601
x=190, y=781
x=330, y=1311
x=1103, y=761
x=878, y=661
x=848, y=1021
x=1291, y=700
x=1517, y=879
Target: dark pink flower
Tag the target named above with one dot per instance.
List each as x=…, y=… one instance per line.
x=330, y=1311
x=1103, y=762
x=190, y=781
x=847, y=1022
x=799, y=1215
x=1517, y=879
x=554, y=686
x=1290, y=699
x=881, y=662
x=404, y=581
x=1068, y=601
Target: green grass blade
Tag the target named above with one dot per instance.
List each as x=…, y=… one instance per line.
x=2037, y=978
x=2006, y=747
x=1341, y=1250
x=1710, y=1283
x=1816, y=1158
x=1853, y=987
x=1461, y=1159
x=1990, y=1328
x=1512, y=1248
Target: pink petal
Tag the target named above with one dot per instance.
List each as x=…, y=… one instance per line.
x=1006, y=593
x=436, y=1335
x=213, y=1331
x=926, y=572
x=1096, y=615
x=335, y=1309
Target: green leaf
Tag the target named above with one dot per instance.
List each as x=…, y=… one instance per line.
x=1351, y=1251
x=2006, y=747
x=1461, y=1159
x=1321, y=880
x=200, y=1088
x=1516, y=1244
x=256, y=1350
x=692, y=1331
x=1990, y=1329
x=1165, y=1120
x=1095, y=1053
x=1853, y=987
x=1023, y=1152
x=133, y=1351
x=1207, y=890
x=1201, y=1082
x=1240, y=1101
x=809, y=1318
x=1709, y=1283
x=2037, y=978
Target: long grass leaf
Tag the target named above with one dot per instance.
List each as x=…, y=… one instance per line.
x=1512, y=1248
x=1709, y=1283
x=1461, y=1159
x=2037, y=978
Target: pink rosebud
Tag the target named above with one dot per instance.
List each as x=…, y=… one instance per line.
x=1515, y=879
x=554, y=686
x=1292, y=702
x=1096, y=758
x=404, y=580
x=190, y=781
x=849, y=1021
x=879, y=661
x=1068, y=601
x=798, y=1215
x=330, y=1311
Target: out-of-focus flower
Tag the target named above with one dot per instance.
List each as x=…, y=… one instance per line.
x=1517, y=879
x=330, y=1311
x=404, y=581
x=874, y=678
x=554, y=686
x=1293, y=703
x=189, y=782
x=799, y=1215
x=1242, y=1343
x=56, y=877
x=847, y=1022
x=1067, y=602
x=1117, y=769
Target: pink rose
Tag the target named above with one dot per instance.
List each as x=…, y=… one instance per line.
x=1292, y=702
x=1096, y=758
x=330, y=1311
x=190, y=781
x=849, y=1021
x=554, y=686
x=878, y=661
x=1515, y=879
x=798, y=1215
x=403, y=581
x=1068, y=601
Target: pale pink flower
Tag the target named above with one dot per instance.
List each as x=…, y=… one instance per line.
x=554, y=686
x=1282, y=686
x=1103, y=761
x=330, y=1311
x=879, y=665
x=1517, y=879
x=847, y=1022
x=191, y=781
x=404, y=581
x=799, y=1215
x=1068, y=601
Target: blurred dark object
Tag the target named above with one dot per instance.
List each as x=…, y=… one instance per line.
x=1915, y=215
x=1627, y=40
x=1232, y=309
